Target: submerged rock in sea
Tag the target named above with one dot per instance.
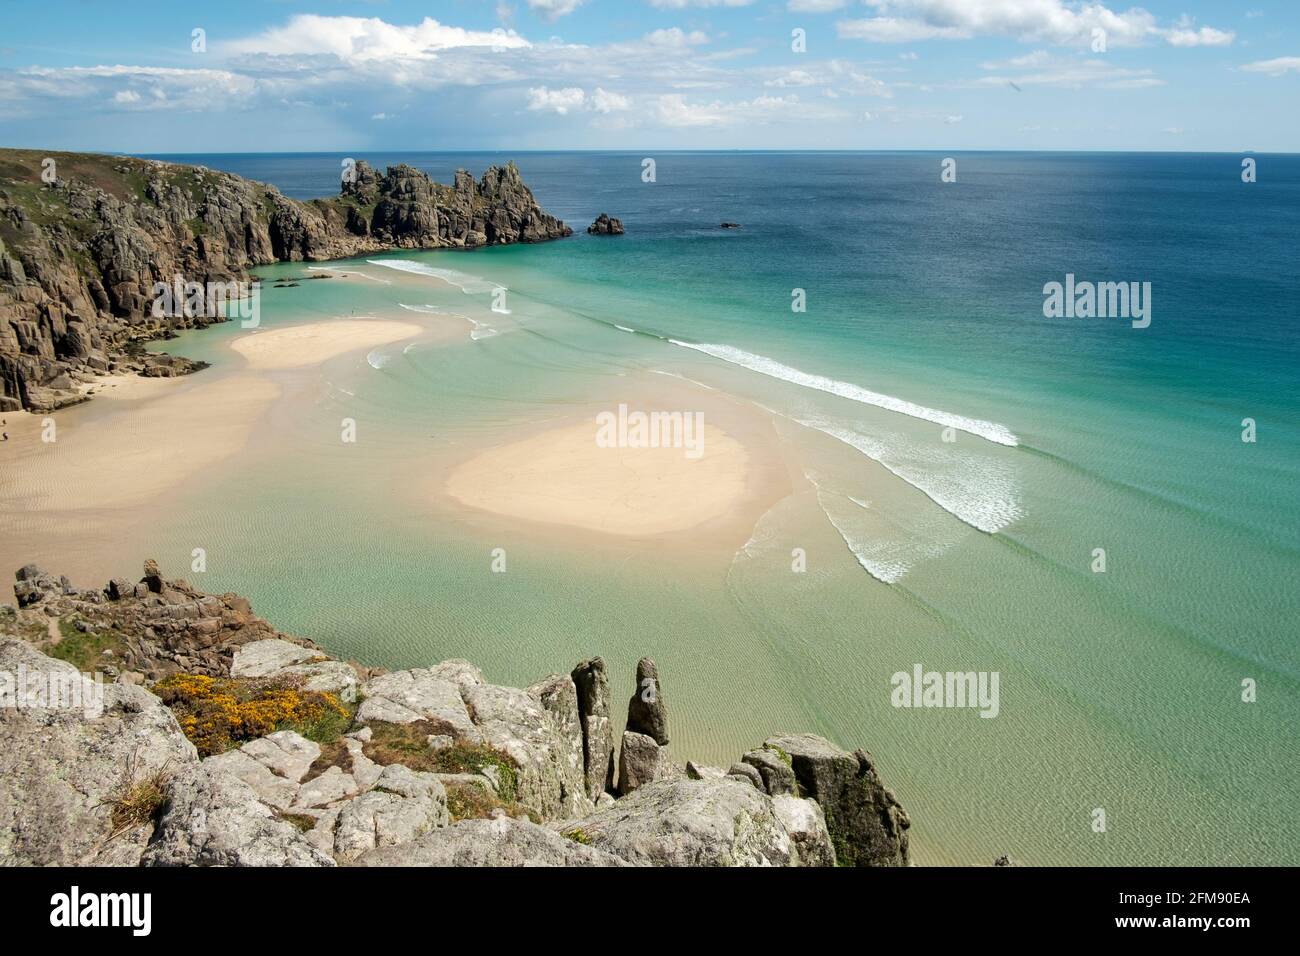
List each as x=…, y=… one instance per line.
x=605, y=226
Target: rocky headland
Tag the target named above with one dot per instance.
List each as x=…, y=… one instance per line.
x=84, y=238
x=218, y=740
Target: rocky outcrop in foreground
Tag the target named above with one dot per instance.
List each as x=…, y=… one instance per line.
x=431, y=766
x=79, y=256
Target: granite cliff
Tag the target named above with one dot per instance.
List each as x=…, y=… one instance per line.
x=216, y=740
x=85, y=237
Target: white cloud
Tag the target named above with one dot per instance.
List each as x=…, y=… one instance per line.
x=1205, y=36
x=1037, y=58
x=683, y=4
x=1274, y=67
x=603, y=101
x=1042, y=69
x=793, y=78
x=360, y=39
x=676, y=37
x=1047, y=21
x=126, y=96
x=561, y=101
x=554, y=9
x=813, y=6
x=895, y=30
x=673, y=110
x=953, y=120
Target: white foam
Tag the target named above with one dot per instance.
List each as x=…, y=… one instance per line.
x=467, y=283
x=981, y=492
x=348, y=272
x=991, y=431
x=480, y=330
x=377, y=359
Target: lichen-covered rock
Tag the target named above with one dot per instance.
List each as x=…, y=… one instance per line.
x=503, y=841
x=806, y=825
x=403, y=697
x=307, y=667
x=592, y=684
x=690, y=823
x=559, y=698
x=865, y=820
x=402, y=806
x=774, y=769
x=516, y=722
x=214, y=819
x=640, y=761
x=62, y=768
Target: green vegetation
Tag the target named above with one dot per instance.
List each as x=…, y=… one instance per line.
x=579, y=835
x=87, y=652
x=409, y=744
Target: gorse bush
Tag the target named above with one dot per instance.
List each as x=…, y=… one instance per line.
x=217, y=713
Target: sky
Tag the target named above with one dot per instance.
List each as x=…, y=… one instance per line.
x=325, y=75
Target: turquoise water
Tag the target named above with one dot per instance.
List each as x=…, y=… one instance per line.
x=1119, y=690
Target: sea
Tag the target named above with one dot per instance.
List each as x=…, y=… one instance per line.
x=1100, y=509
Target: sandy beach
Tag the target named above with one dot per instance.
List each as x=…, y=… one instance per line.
x=300, y=346
x=563, y=476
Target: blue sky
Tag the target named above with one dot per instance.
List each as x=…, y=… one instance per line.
x=555, y=74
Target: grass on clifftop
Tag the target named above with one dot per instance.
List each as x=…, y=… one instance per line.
x=219, y=713
x=408, y=744
x=87, y=652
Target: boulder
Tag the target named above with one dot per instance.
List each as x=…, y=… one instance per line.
x=62, y=769
x=214, y=819
x=865, y=820
x=403, y=806
x=268, y=658
x=646, y=711
x=690, y=823
x=500, y=842
x=748, y=773
x=403, y=697
x=805, y=824
x=640, y=761
x=277, y=658
x=774, y=769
